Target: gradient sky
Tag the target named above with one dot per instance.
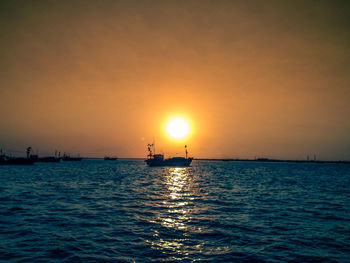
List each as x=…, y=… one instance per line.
x=256, y=78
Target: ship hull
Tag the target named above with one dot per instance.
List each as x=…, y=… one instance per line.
x=173, y=162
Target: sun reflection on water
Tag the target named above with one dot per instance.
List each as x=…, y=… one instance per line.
x=177, y=182
x=173, y=237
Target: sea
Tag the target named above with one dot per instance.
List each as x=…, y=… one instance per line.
x=213, y=211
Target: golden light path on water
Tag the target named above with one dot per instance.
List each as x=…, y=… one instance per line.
x=179, y=203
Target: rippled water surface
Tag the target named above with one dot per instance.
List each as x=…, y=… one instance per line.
x=124, y=211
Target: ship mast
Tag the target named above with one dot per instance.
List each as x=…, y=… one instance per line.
x=154, y=147
x=149, y=147
x=29, y=149
x=186, y=150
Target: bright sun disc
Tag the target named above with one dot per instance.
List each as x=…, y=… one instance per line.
x=178, y=128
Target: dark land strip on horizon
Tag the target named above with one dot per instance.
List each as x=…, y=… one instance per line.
x=270, y=160
x=240, y=160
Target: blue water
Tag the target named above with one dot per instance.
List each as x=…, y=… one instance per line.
x=124, y=211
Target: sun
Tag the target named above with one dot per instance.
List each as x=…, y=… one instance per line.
x=178, y=128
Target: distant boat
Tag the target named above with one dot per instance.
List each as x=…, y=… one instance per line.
x=46, y=159
x=158, y=159
x=68, y=158
x=7, y=160
x=110, y=158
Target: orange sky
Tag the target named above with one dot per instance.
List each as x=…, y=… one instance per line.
x=256, y=78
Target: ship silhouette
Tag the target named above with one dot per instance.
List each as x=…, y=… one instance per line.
x=158, y=159
x=45, y=159
x=68, y=158
x=108, y=158
x=10, y=160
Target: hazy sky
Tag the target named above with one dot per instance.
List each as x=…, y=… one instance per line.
x=256, y=78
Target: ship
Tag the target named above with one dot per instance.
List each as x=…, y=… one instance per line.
x=71, y=159
x=159, y=160
x=46, y=159
x=108, y=158
x=9, y=160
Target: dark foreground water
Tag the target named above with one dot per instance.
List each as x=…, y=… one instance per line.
x=123, y=211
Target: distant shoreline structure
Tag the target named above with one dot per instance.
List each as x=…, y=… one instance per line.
x=57, y=158
x=269, y=160
x=240, y=160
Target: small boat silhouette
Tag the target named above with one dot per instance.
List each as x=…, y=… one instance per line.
x=68, y=158
x=107, y=158
x=46, y=159
x=8, y=160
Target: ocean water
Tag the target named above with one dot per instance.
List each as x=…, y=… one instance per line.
x=124, y=211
